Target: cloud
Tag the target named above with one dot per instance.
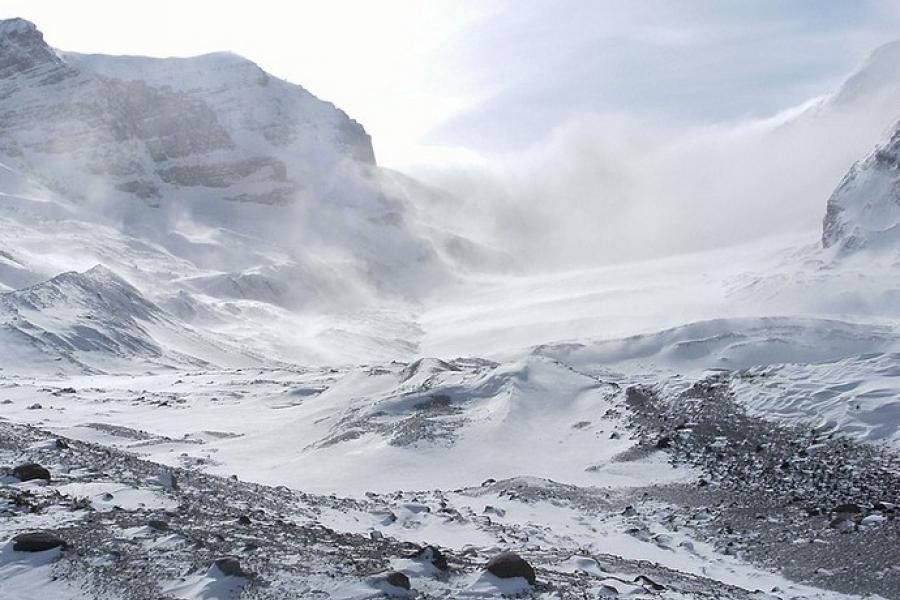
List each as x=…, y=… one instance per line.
x=615, y=188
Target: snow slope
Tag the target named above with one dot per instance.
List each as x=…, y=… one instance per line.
x=864, y=211
x=260, y=190
x=97, y=321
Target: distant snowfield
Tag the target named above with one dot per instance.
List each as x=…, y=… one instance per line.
x=545, y=352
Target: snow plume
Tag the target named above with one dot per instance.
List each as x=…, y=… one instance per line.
x=605, y=189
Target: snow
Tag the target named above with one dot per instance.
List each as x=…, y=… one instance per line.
x=322, y=332
x=212, y=585
x=27, y=575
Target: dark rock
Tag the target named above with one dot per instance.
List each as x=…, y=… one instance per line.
x=488, y=481
x=158, y=525
x=37, y=542
x=35, y=406
x=30, y=471
x=398, y=579
x=664, y=442
x=849, y=508
x=61, y=444
x=230, y=566
x=244, y=520
x=433, y=555
x=510, y=564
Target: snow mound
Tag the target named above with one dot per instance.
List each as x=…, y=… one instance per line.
x=731, y=344
x=857, y=397
x=96, y=321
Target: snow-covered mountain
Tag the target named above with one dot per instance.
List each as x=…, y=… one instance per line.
x=96, y=321
x=226, y=195
x=256, y=188
x=864, y=211
x=149, y=128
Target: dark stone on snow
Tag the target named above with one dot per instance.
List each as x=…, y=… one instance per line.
x=433, y=555
x=398, y=579
x=37, y=542
x=30, y=471
x=230, y=566
x=489, y=481
x=61, y=444
x=158, y=525
x=509, y=564
x=664, y=442
x=244, y=520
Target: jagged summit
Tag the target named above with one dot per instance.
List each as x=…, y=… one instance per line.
x=252, y=185
x=22, y=48
x=17, y=26
x=864, y=210
x=146, y=127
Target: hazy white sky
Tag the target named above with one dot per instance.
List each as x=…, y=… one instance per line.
x=453, y=79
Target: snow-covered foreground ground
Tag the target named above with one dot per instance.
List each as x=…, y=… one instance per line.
x=605, y=424
x=544, y=451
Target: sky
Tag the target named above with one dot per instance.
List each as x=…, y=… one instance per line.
x=453, y=81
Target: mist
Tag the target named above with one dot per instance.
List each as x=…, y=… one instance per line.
x=614, y=188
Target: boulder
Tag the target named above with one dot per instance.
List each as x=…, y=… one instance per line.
x=30, y=471
x=847, y=509
x=509, y=564
x=158, y=525
x=38, y=541
x=397, y=579
x=230, y=566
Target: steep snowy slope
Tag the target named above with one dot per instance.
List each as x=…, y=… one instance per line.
x=864, y=211
x=138, y=124
x=266, y=192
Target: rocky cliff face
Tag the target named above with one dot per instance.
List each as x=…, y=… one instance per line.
x=147, y=127
x=864, y=210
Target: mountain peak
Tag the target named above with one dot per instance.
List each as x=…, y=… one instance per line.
x=864, y=210
x=17, y=26
x=880, y=71
x=22, y=47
